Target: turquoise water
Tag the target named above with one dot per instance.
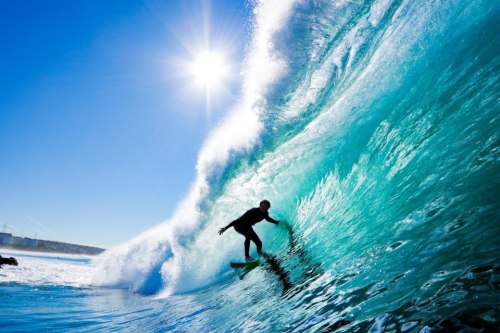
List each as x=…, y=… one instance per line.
x=373, y=128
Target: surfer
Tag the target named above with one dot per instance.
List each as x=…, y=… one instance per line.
x=244, y=224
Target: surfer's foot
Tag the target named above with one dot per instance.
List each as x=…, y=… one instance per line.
x=248, y=258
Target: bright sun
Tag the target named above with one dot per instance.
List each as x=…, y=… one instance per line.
x=208, y=69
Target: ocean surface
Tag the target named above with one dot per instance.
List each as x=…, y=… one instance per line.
x=373, y=128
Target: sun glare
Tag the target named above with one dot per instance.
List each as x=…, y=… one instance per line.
x=208, y=69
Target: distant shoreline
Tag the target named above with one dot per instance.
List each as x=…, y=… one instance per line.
x=10, y=241
x=43, y=250
x=13, y=250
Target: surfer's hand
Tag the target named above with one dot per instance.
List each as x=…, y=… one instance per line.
x=221, y=231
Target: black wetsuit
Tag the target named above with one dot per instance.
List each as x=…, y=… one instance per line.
x=244, y=224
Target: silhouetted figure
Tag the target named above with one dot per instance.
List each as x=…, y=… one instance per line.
x=244, y=224
x=8, y=261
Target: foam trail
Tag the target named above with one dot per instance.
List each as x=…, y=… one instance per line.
x=151, y=261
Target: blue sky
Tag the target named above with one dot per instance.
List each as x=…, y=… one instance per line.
x=100, y=123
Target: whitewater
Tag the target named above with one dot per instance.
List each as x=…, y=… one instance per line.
x=373, y=129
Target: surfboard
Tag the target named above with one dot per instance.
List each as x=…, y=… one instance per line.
x=244, y=264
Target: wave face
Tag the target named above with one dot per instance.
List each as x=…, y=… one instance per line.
x=373, y=129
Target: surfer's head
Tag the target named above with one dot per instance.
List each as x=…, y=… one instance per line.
x=265, y=205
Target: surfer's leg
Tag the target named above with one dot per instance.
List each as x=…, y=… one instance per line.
x=253, y=236
x=247, y=247
x=245, y=233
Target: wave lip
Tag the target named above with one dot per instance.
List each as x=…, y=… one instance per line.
x=152, y=260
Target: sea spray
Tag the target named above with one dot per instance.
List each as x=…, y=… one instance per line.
x=132, y=264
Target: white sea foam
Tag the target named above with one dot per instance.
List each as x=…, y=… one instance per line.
x=39, y=268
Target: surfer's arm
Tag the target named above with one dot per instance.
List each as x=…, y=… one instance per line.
x=222, y=230
x=270, y=219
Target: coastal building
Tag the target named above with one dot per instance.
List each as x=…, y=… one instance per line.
x=24, y=241
x=6, y=238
